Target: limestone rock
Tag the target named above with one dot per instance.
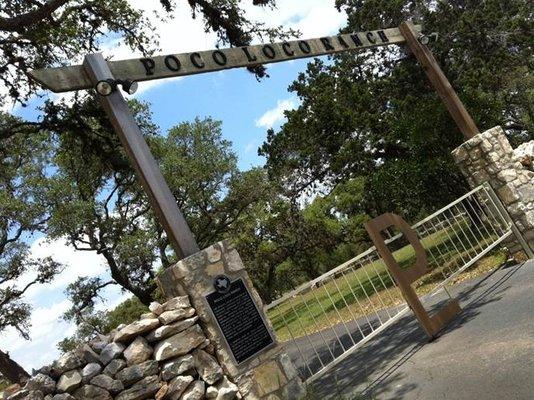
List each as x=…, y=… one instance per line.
x=66, y=362
x=69, y=381
x=35, y=395
x=148, y=315
x=175, y=315
x=165, y=331
x=98, y=345
x=105, y=382
x=135, y=329
x=207, y=366
x=162, y=392
x=211, y=392
x=176, y=367
x=41, y=382
x=19, y=395
x=45, y=370
x=177, y=302
x=11, y=390
x=111, y=351
x=92, y=392
x=90, y=371
x=294, y=390
x=87, y=354
x=214, y=254
x=287, y=365
x=226, y=390
x=156, y=308
x=135, y=373
x=63, y=396
x=144, y=389
x=195, y=391
x=524, y=153
x=177, y=386
x=138, y=351
x=114, y=366
x=179, y=344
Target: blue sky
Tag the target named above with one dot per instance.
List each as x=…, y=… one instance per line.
x=246, y=107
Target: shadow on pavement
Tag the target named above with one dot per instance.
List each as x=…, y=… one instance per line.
x=374, y=368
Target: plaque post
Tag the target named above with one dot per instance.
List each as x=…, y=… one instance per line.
x=231, y=313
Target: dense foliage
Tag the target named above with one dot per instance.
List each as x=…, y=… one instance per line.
x=374, y=114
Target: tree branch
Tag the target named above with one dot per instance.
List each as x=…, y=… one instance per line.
x=18, y=23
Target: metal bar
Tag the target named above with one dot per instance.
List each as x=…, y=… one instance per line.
x=366, y=339
x=439, y=251
x=332, y=326
x=486, y=238
x=280, y=314
x=306, y=334
x=319, y=330
x=368, y=298
x=340, y=267
x=451, y=240
x=359, y=305
x=460, y=222
x=339, y=315
x=152, y=180
x=474, y=260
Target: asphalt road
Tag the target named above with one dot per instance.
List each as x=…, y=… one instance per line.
x=487, y=352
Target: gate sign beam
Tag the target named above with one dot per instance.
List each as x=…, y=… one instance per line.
x=64, y=79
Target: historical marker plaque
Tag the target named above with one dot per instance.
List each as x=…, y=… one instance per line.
x=240, y=321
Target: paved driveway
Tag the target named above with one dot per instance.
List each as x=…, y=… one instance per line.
x=486, y=353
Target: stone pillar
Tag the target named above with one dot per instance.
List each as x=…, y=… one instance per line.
x=268, y=375
x=488, y=157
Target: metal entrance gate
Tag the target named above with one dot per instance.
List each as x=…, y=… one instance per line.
x=323, y=321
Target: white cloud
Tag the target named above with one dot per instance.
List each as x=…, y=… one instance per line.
x=77, y=263
x=313, y=18
x=251, y=146
x=49, y=303
x=47, y=329
x=275, y=115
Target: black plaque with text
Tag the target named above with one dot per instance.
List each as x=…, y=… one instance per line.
x=240, y=321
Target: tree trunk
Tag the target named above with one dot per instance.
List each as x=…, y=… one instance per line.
x=11, y=370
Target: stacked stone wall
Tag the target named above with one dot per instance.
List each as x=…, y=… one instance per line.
x=174, y=352
x=489, y=157
x=164, y=355
x=269, y=375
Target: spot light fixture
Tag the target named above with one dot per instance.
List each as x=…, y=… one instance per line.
x=426, y=39
x=107, y=86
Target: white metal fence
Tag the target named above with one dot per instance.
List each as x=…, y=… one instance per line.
x=325, y=320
